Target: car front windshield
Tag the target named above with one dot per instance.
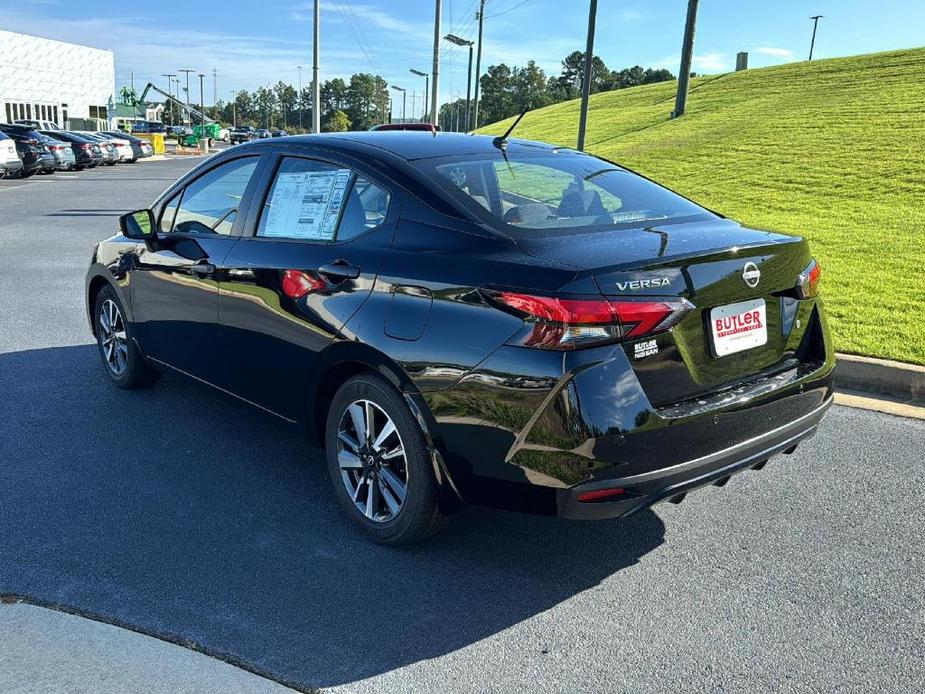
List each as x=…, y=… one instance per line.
x=556, y=192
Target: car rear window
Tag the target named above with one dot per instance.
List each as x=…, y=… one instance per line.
x=557, y=192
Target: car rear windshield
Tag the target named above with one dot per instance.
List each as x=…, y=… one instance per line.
x=559, y=191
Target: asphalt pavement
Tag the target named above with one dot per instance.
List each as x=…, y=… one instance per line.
x=183, y=514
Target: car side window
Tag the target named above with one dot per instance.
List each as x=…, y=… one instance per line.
x=305, y=201
x=209, y=205
x=367, y=207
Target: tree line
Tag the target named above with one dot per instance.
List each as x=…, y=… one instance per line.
x=363, y=101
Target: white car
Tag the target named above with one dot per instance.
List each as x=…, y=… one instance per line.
x=123, y=147
x=10, y=163
x=38, y=124
x=224, y=135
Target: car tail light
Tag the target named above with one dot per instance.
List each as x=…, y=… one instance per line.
x=86, y=146
x=808, y=281
x=563, y=324
x=297, y=284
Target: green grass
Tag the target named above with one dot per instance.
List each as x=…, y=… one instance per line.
x=833, y=150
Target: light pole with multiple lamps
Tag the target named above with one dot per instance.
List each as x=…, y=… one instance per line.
x=452, y=38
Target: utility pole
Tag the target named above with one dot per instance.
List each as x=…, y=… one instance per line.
x=687, y=55
x=316, y=85
x=812, y=43
x=214, y=86
x=452, y=38
x=186, y=72
x=299, y=67
x=404, y=100
x=170, y=92
x=435, y=94
x=478, y=66
x=234, y=109
x=586, y=84
x=132, y=78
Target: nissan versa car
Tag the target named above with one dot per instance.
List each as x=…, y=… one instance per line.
x=472, y=320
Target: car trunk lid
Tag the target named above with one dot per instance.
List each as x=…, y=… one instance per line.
x=741, y=277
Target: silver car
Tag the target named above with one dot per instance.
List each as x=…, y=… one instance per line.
x=107, y=148
x=61, y=151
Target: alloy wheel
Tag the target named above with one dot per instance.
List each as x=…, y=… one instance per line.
x=113, y=339
x=372, y=461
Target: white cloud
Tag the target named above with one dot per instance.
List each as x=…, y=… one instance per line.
x=703, y=62
x=782, y=53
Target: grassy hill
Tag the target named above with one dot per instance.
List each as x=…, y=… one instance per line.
x=833, y=150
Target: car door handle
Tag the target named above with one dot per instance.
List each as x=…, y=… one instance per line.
x=340, y=268
x=202, y=269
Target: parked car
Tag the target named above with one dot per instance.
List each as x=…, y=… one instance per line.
x=278, y=133
x=122, y=145
x=413, y=127
x=38, y=124
x=10, y=163
x=148, y=126
x=468, y=319
x=224, y=134
x=107, y=147
x=87, y=153
x=242, y=133
x=35, y=157
x=262, y=134
x=64, y=158
x=140, y=148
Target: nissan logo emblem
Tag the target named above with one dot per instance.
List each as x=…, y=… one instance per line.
x=751, y=275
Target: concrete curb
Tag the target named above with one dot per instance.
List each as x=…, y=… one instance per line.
x=893, y=379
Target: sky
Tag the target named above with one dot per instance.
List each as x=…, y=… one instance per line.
x=259, y=42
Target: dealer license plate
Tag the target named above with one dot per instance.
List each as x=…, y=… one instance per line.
x=738, y=327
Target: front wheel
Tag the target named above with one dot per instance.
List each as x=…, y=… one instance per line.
x=124, y=363
x=379, y=463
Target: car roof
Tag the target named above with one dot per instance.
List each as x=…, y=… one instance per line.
x=412, y=145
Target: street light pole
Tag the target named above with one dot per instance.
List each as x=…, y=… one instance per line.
x=426, y=77
x=316, y=84
x=435, y=95
x=300, y=96
x=404, y=100
x=812, y=43
x=586, y=85
x=203, y=137
x=452, y=38
x=687, y=55
x=186, y=72
x=478, y=68
x=170, y=93
x=234, y=109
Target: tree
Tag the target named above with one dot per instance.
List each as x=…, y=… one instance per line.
x=286, y=100
x=495, y=101
x=264, y=105
x=338, y=122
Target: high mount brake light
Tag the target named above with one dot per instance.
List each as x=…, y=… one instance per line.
x=808, y=281
x=564, y=324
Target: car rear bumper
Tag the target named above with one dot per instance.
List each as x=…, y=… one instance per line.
x=13, y=166
x=645, y=489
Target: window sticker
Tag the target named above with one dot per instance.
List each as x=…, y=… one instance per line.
x=306, y=204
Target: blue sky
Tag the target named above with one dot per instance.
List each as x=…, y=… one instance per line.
x=256, y=43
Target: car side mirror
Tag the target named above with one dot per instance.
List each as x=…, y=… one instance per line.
x=137, y=225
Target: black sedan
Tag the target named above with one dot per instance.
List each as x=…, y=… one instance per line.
x=87, y=153
x=468, y=320
x=33, y=152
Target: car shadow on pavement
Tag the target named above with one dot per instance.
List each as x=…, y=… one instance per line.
x=182, y=513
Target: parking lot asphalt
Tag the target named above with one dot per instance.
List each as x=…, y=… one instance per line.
x=181, y=513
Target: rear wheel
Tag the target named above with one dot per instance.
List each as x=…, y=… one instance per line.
x=379, y=464
x=26, y=174
x=124, y=363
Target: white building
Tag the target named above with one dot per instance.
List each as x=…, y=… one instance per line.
x=43, y=79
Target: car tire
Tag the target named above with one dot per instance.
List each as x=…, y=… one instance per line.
x=123, y=361
x=398, y=472
x=26, y=174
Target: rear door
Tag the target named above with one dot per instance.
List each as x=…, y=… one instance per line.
x=306, y=263
x=174, y=283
